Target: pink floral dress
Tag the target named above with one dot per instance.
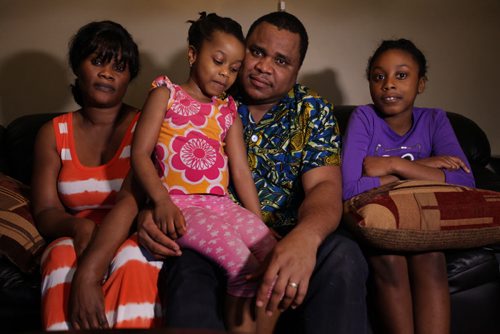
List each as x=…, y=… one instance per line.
x=190, y=156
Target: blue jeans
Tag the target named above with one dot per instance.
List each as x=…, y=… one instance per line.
x=192, y=291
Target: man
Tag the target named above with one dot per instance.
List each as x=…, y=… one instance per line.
x=294, y=153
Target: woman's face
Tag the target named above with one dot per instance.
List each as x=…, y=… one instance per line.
x=102, y=84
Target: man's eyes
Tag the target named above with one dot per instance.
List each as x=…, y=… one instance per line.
x=257, y=52
x=280, y=61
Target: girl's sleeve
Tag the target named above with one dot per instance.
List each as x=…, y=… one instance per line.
x=355, y=148
x=164, y=81
x=445, y=142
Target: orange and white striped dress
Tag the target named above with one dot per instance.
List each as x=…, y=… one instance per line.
x=130, y=289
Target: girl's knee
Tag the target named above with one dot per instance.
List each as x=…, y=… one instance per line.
x=389, y=269
x=432, y=265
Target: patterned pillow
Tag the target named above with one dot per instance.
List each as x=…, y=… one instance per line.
x=20, y=241
x=423, y=215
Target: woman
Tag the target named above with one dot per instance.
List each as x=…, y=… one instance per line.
x=82, y=162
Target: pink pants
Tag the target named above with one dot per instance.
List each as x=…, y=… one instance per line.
x=228, y=234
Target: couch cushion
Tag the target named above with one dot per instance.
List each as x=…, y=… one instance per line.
x=20, y=241
x=423, y=215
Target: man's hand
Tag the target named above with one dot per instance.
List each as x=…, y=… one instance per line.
x=286, y=277
x=86, y=303
x=151, y=237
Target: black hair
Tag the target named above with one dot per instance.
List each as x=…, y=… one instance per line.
x=404, y=45
x=203, y=28
x=110, y=40
x=289, y=22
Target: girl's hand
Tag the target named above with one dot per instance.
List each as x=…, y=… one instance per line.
x=83, y=231
x=169, y=219
x=444, y=162
x=377, y=166
x=151, y=237
x=86, y=302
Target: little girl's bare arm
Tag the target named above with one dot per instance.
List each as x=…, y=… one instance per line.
x=166, y=214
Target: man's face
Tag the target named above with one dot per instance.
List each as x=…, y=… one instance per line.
x=271, y=64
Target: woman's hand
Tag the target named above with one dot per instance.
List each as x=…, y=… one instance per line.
x=169, y=218
x=86, y=302
x=444, y=162
x=83, y=230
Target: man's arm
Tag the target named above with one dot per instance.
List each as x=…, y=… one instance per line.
x=294, y=257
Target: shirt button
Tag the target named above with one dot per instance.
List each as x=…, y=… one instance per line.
x=254, y=138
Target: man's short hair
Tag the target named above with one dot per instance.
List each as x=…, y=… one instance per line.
x=287, y=21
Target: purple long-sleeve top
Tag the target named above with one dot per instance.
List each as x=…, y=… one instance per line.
x=368, y=134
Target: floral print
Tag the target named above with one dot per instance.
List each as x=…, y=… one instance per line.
x=189, y=154
x=198, y=156
x=185, y=109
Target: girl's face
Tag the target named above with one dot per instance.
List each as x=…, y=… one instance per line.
x=395, y=82
x=215, y=67
x=102, y=84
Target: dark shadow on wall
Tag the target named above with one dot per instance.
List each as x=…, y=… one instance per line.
x=177, y=71
x=325, y=83
x=32, y=82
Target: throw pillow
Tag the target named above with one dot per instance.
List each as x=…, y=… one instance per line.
x=20, y=241
x=423, y=216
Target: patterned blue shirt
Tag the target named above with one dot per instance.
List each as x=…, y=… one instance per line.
x=298, y=134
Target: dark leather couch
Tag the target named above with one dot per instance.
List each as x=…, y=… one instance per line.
x=473, y=275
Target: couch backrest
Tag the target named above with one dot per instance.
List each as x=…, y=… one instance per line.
x=18, y=138
x=3, y=159
x=18, y=141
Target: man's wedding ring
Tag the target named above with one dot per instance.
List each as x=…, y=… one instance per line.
x=293, y=285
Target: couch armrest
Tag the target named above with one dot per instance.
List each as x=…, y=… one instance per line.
x=494, y=164
x=486, y=178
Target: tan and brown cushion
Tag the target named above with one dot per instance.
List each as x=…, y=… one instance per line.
x=20, y=241
x=423, y=215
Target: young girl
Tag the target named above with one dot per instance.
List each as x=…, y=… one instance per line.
x=196, y=136
x=391, y=140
